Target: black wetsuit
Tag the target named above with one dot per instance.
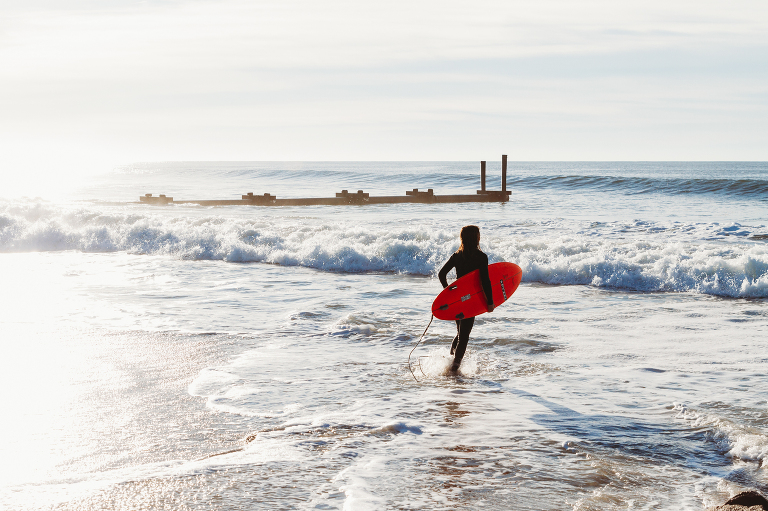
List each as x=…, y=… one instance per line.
x=475, y=260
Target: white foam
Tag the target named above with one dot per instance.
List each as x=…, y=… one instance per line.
x=352, y=324
x=656, y=258
x=210, y=380
x=741, y=442
x=437, y=362
x=356, y=485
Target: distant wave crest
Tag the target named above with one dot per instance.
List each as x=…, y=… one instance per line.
x=641, y=261
x=754, y=188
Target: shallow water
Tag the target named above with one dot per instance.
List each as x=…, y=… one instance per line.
x=256, y=358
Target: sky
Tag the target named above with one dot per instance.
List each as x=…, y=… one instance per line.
x=88, y=84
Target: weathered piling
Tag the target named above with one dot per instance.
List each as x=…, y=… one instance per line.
x=421, y=197
x=495, y=195
x=161, y=199
x=354, y=198
x=503, y=172
x=258, y=199
x=343, y=198
x=428, y=196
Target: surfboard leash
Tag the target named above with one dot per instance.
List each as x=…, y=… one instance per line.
x=416, y=346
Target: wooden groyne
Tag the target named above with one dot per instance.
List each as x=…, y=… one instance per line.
x=344, y=197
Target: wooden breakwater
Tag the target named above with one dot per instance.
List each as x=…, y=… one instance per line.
x=344, y=197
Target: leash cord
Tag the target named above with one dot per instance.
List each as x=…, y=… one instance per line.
x=417, y=344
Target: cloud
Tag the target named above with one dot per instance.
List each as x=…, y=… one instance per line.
x=299, y=79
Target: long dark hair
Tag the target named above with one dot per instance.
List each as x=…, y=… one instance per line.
x=470, y=240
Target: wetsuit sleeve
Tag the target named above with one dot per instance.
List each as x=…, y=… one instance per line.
x=448, y=266
x=485, y=280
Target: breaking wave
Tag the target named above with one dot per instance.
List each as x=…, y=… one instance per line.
x=739, y=440
x=648, y=258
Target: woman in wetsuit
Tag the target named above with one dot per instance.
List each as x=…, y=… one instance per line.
x=468, y=258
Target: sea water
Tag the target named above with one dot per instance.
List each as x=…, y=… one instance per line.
x=187, y=357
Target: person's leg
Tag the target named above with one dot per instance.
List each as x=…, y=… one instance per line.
x=465, y=327
x=455, y=339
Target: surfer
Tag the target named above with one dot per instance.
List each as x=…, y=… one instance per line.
x=468, y=258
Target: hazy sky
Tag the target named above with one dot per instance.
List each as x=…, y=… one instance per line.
x=94, y=83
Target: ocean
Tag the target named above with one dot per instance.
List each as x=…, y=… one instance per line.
x=256, y=358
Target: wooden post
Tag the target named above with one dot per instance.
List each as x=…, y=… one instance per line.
x=503, y=172
x=482, y=176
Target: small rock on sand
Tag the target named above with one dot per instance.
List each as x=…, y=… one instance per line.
x=744, y=501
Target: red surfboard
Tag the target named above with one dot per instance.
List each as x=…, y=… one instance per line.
x=464, y=297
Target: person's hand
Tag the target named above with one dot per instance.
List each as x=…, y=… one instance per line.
x=491, y=306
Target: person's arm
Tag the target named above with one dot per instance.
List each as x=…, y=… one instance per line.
x=443, y=274
x=485, y=282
